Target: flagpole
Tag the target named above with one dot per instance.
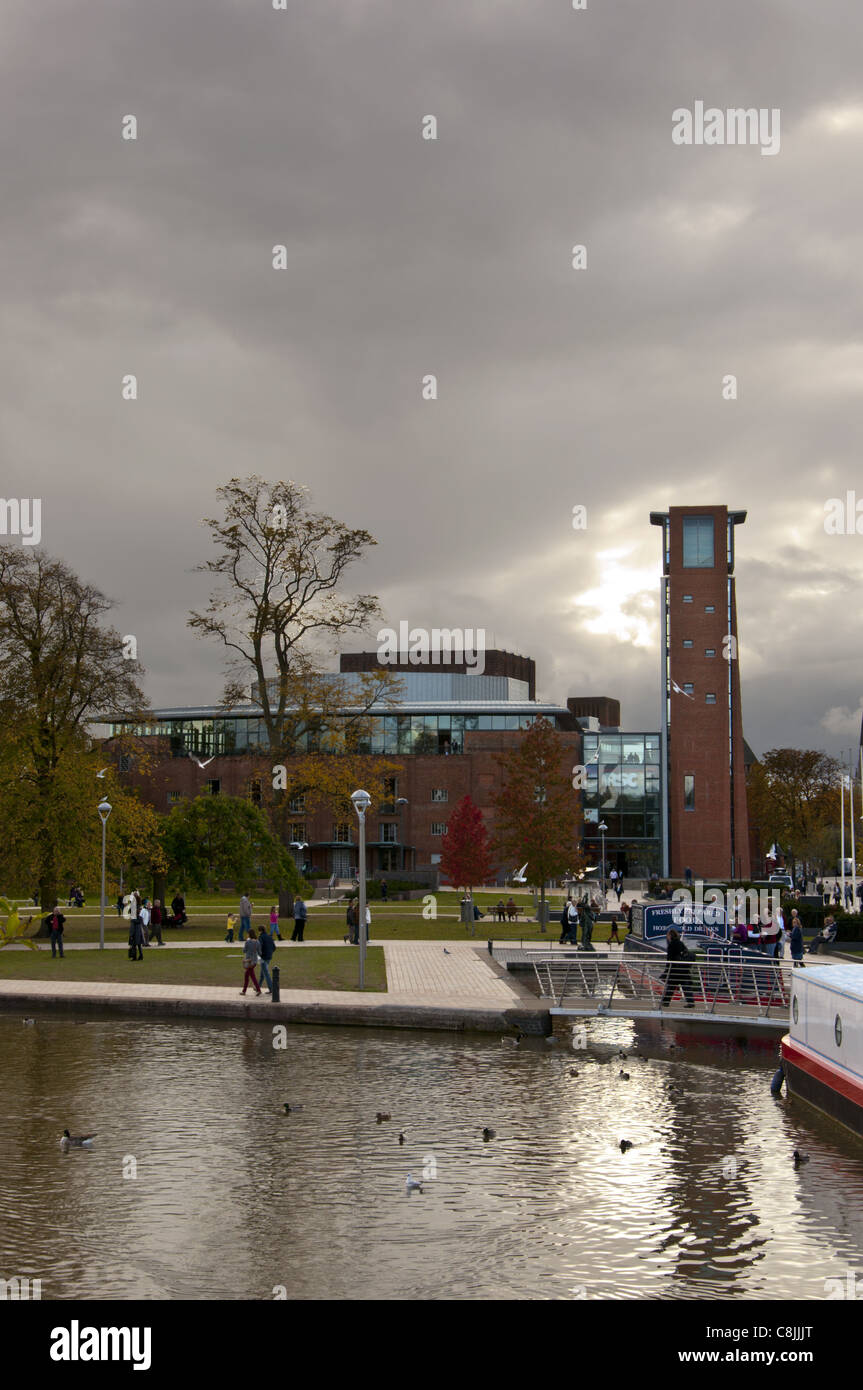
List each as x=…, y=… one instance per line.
x=853, y=845
x=842, y=843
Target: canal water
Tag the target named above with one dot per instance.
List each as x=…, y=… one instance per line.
x=198, y=1186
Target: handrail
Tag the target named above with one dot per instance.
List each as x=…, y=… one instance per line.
x=761, y=986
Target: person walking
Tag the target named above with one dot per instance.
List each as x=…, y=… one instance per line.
x=245, y=916
x=145, y=921
x=274, y=923
x=369, y=923
x=383, y=890
x=687, y=874
x=156, y=922
x=849, y=897
x=121, y=902
x=55, y=921
x=136, y=937
x=266, y=950
x=677, y=971
x=299, y=919
x=351, y=923
x=251, y=957
x=587, y=918
x=612, y=879
x=796, y=941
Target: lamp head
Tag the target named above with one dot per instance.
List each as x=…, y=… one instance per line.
x=362, y=801
x=104, y=809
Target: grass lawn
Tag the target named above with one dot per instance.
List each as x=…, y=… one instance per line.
x=301, y=967
x=396, y=922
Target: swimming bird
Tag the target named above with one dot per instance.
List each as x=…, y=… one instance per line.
x=381, y=1116
x=28, y=1020
x=76, y=1141
x=625, y=1144
x=573, y=1073
x=624, y=1076
x=511, y=1042
x=800, y=1158
x=401, y=1139
x=291, y=1109
x=551, y=1041
x=622, y=1056
x=488, y=1134
x=412, y=1185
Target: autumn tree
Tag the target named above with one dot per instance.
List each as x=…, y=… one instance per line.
x=465, y=856
x=279, y=610
x=61, y=668
x=793, y=797
x=537, y=814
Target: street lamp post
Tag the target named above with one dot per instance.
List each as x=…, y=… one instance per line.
x=602, y=829
x=362, y=801
x=104, y=809
x=400, y=802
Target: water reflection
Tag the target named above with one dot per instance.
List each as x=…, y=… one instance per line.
x=233, y=1198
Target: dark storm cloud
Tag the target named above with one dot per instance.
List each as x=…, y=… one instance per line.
x=406, y=257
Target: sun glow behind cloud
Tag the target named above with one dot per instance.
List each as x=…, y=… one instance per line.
x=624, y=604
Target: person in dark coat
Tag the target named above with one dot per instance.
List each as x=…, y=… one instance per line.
x=299, y=919
x=54, y=922
x=797, y=942
x=587, y=918
x=121, y=903
x=266, y=950
x=136, y=938
x=677, y=971
x=156, y=922
x=351, y=923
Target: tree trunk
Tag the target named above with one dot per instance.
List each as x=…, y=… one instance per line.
x=160, y=888
x=286, y=903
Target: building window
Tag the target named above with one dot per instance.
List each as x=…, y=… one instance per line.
x=709, y=651
x=698, y=542
x=688, y=687
x=687, y=642
x=710, y=699
x=297, y=832
x=709, y=608
x=389, y=860
x=687, y=598
x=689, y=792
x=391, y=791
x=255, y=793
x=389, y=833
x=435, y=858
x=438, y=827
x=297, y=804
x=125, y=763
x=174, y=798
x=342, y=833
x=439, y=794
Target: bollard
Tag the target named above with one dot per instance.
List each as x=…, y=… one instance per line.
x=274, y=997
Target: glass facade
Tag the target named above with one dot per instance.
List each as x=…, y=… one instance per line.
x=388, y=733
x=698, y=542
x=622, y=790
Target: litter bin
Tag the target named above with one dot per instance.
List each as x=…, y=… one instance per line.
x=274, y=997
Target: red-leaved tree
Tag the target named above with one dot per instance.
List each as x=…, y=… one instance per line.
x=465, y=859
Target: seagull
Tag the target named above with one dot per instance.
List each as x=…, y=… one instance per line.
x=675, y=687
x=520, y=877
x=104, y=770
x=204, y=764
x=76, y=1141
x=411, y=1184
x=381, y=1116
x=488, y=1134
x=800, y=1158
x=625, y=1144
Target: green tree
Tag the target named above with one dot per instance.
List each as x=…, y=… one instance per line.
x=60, y=669
x=793, y=797
x=224, y=837
x=537, y=814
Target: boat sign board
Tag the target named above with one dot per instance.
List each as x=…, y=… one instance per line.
x=706, y=923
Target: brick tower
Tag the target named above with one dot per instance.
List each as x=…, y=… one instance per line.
x=705, y=819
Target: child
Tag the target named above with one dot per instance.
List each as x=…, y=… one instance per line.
x=232, y=922
x=274, y=923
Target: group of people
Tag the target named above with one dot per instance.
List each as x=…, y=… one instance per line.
x=146, y=920
x=771, y=936
x=76, y=896
x=506, y=911
x=244, y=916
x=581, y=915
x=352, y=922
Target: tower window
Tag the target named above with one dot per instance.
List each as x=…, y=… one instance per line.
x=689, y=687
x=698, y=542
x=709, y=651
x=710, y=699
x=687, y=598
x=687, y=642
x=709, y=608
x=688, y=792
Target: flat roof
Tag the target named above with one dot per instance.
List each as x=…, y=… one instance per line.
x=403, y=707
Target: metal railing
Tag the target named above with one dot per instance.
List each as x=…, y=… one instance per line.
x=645, y=980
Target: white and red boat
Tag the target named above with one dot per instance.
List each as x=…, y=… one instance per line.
x=822, y=1055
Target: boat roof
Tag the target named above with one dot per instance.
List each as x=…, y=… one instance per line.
x=846, y=978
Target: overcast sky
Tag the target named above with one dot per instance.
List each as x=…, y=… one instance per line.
x=600, y=387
